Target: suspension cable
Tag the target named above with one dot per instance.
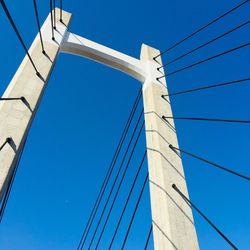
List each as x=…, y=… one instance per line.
x=207, y=87
x=54, y=12
x=205, y=44
x=148, y=238
x=118, y=189
x=61, y=7
x=22, y=98
x=110, y=170
x=51, y=20
x=205, y=119
x=202, y=28
x=134, y=213
x=38, y=25
x=114, y=183
x=207, y=59
x=209, y=162
x=18, y=35
x=204, y=216
x=8, y=140
x=12, y=178
x=127, y=200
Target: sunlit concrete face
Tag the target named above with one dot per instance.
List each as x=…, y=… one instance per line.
x=80, y=46
x=173, y=225
x=16, y=116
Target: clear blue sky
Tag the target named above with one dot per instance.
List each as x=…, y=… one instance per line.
x=86, y=105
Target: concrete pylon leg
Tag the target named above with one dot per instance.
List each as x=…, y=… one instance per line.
x=16, y=116
x=173, y=225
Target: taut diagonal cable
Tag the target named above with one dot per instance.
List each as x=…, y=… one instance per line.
x=206, y=60
x=205, y=44
x=54, y=12
x=9, y=187
x=8, y=140
x=110, y=171
x=127, y=200
x=205, y=119
x=204, y=216
x=208, y=87
x=39, y=25
x=22, y=98
x=119, y=186
x=134, y=213
x=203, y=27
x=148, y=238
x=18, y=34
x=51, y=20
x=114, y=183
x=61, y=7
x=209, y=162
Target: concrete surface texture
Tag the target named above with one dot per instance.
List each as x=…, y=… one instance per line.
x=173, y=225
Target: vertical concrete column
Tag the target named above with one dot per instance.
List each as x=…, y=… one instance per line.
x=173, y=225
x=16, y=116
